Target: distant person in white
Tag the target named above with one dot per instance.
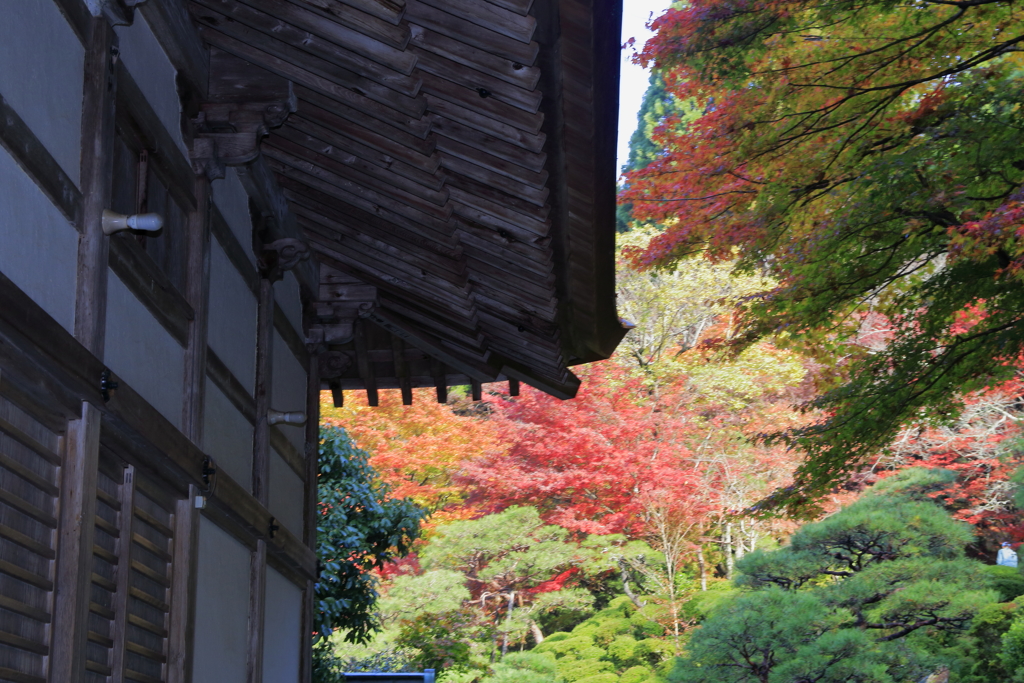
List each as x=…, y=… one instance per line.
x=1006, y=556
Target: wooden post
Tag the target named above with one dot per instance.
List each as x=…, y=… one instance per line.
x=363, y=361
x=437, y=369
x=97, y=170
x=257, y=611
x=260, y=476
x=124, y=564
x=75, y=541
x=77, y=523
x=312, y=497
x=183, y=589
x=197, y=288
x=401, y=369
x=264, y=369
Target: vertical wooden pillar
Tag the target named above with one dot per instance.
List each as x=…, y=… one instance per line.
x=260, y=475
x=264, y=370
x=197, y=292
x=310, y=511
x=77, y=519
x=124, y=563
x=312, y=449
x=186, y=515
x=77, y=532
x=97, y=170
x=183, y=589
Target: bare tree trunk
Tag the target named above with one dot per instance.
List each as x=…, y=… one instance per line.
x=538, y=635
x=624, y=573
x=703, y=568
x=729, y=551
x=508, y=624
x=675, y=625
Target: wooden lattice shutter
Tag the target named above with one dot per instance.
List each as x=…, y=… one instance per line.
x=132, y=576
x=30, y=458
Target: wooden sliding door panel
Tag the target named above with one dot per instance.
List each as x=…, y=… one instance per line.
x=30, y=458
x=148, y=614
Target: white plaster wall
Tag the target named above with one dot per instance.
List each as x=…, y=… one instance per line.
x=286, y=494
x=283, y=629
x=222, y=607
x=288, y=388
x=233, y=202
x=153, y=72
x=233, y=309
x=142, y=353
x=40, y=248
x=286, y=293
x=41, y=75
x=227, y=436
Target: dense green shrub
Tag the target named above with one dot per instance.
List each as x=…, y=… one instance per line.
x=636, y=674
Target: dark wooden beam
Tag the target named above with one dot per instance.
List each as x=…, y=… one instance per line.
x=388, y=31
x=513, y=387
x=401, y=369
x=295, y=343
x=454, y=26
x=291, y=455
x=39, y=164
x=237, y=254
x=136, y=269
x=337, y=395
x=565, y=389
x=230, y=386
x=337, y=55
x=363, y=362
x=489, y=16
x=477, y=389
x=440, y=380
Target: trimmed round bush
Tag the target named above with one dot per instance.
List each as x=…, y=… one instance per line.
x=621, y=651
x=565, y=647
x=573, y=670
x=635, y=674
x=600, y=678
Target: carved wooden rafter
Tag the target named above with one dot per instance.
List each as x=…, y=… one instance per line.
x=229, y=133
x=342, y=300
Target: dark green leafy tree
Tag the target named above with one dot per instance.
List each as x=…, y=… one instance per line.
x=359, y=528
x=868, y=157
x=658, y=105
x=443, y=641
x=851, y=599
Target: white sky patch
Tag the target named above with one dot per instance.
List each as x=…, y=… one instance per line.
x=633, y=80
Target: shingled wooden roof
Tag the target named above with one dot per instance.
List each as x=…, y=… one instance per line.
x=451, y=163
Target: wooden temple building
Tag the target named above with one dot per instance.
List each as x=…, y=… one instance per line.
x=354, y=195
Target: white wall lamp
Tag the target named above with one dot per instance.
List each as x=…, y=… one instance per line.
x=142, y=222
x=275, y=417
